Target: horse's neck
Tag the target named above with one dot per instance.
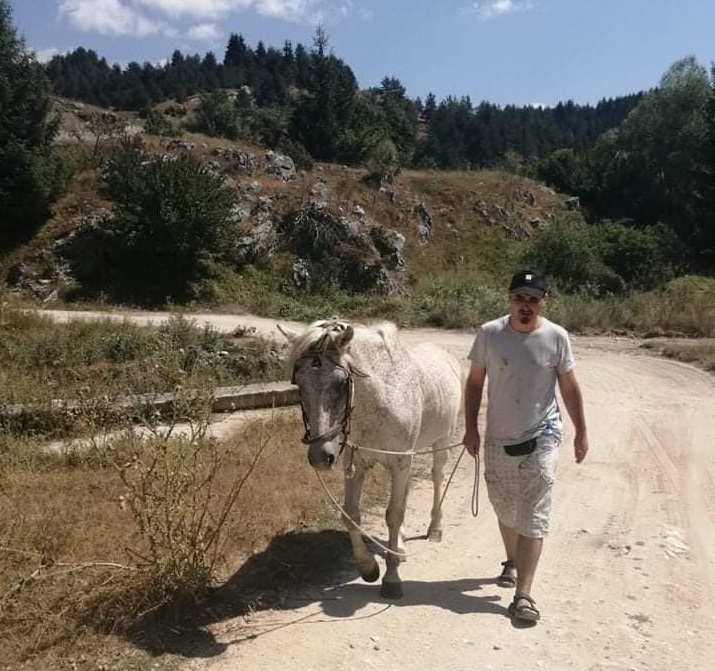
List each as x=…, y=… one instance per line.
x=377, y=360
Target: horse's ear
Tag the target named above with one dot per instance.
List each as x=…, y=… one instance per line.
x=345, y=336
x=289, y=335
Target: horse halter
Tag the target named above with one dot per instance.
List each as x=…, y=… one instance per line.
x=343, y=426
x=318, y=351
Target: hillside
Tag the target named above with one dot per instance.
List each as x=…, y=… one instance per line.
x=441, y=220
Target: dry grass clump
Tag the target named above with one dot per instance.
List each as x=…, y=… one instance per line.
x=700, y=352
x=685, y=307
x=135, y=537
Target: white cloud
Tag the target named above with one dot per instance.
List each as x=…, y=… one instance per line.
x=298, y=11
x=197, y=8
x=109, y=17
x=496, y=8
x=46, y=55
x=205, y=32
x=139, y=18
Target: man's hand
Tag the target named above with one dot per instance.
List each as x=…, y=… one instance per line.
x=472, y=441
x=580, y=448
x=472, y=401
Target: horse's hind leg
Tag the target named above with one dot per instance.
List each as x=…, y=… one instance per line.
x=367, y=566
x=395, y=516
x=439, y=459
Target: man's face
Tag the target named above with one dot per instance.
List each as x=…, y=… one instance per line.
x=524, y=311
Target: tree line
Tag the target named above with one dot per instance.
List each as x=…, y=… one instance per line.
x=304, y=87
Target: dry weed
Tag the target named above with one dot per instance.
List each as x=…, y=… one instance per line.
x=138, y=532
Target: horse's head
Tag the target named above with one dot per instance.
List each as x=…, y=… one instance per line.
x=325, y=384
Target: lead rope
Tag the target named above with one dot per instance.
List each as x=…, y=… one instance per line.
x=475, y=487
x=474, y=501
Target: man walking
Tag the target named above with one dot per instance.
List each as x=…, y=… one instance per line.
x=523, y=356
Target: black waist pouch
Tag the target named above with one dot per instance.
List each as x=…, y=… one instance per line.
x=521, y=449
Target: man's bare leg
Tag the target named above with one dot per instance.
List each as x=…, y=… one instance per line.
x=510, y=539
x=528, y=552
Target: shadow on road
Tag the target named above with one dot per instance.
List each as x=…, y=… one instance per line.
x=275, y=578
x=298, y=569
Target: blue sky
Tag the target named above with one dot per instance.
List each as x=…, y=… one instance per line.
x=518, y=52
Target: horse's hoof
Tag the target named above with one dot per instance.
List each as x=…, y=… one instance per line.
x=434, y=536
x=372, y=575
x=391, y=590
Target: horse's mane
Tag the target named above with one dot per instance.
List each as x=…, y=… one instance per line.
x=320, y=335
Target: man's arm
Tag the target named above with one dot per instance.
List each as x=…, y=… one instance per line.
x=573, y=400
x=472, y=402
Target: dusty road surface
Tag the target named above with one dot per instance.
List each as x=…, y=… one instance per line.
x=626, y=580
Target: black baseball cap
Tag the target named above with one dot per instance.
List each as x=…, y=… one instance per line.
x=528, y=282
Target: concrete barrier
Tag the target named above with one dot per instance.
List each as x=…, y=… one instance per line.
x=226, y=399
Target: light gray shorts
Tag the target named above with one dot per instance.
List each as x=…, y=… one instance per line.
x=520, y=488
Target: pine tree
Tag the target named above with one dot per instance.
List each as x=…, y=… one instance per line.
x=31, y=173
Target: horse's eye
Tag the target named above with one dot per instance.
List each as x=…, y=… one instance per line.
x=316, y=362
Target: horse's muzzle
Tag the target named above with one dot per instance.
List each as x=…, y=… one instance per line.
x=323, y=457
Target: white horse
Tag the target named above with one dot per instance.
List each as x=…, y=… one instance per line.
x=363, y=392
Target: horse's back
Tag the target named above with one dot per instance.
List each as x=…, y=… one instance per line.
x=437, y=366
x=441, y=386
x=409, y=393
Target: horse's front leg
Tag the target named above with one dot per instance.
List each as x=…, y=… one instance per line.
x=439, y=459
x=395, y=516
x=367, y=566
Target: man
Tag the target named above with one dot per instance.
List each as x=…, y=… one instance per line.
x=523, y=355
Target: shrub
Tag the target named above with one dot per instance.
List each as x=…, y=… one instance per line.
x=605, y=258
x=171, y=226
x=642, y=258
x=157, y=124
x=216, y=115
x=571, y=256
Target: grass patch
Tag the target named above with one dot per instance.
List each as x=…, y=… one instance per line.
x=93, y=365
x=137, y=537
x=699, y=352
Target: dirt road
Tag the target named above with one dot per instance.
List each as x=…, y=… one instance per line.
x=627, y=578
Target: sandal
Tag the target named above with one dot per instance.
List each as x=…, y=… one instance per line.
x=524, y=608
x=508, y=574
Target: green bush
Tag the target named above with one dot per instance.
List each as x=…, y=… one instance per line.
x=608, y=258
x=171, y=226
x=382, y=162
x=641, y=257
x=572, y=257
x=216, y=115
x=157, y=124
x=454, y=300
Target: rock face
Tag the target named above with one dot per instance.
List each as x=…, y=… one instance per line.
x=281, y=167
x=335, y=230
x=351, y=252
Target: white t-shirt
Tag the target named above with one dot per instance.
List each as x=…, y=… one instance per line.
x=521, y=378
